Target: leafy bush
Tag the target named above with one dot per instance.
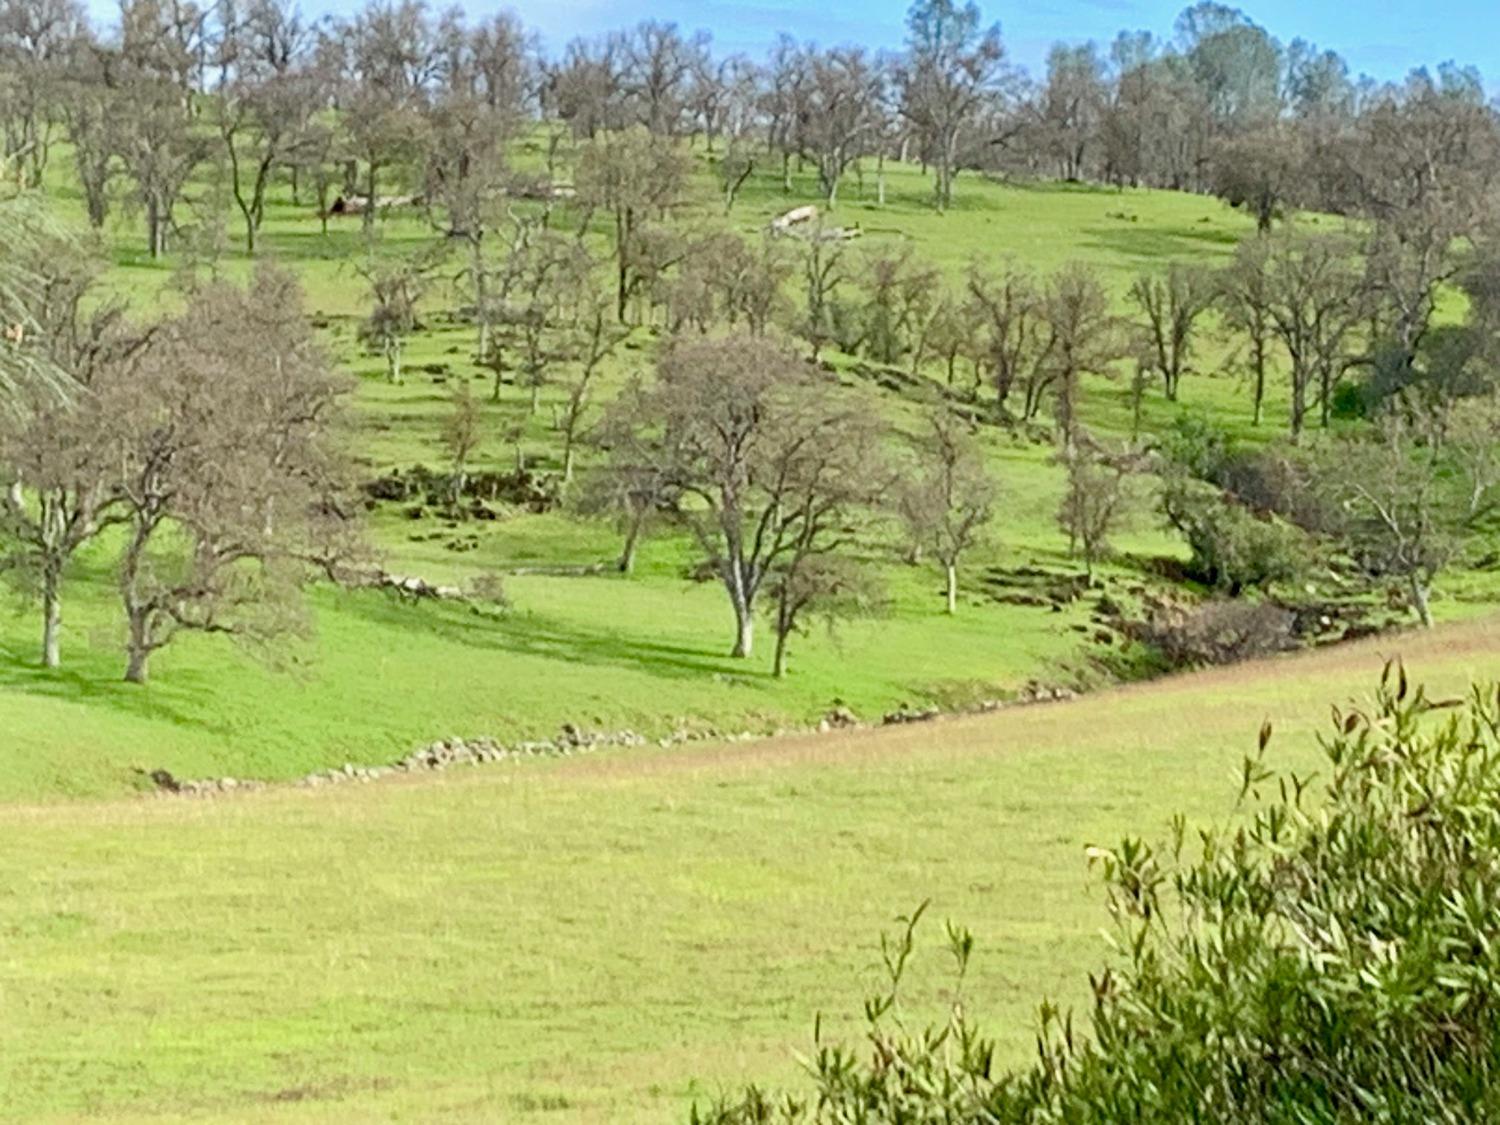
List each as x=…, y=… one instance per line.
x=1199, y=446
x=1232, y=548
x=1333, y=957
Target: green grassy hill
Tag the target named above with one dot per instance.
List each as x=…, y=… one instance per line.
x=647, y=652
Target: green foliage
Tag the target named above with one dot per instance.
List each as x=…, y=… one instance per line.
x=1333, y=957
x=1231, y=547
x=1198, y=445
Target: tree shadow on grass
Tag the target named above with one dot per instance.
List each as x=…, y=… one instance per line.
x=528, y=633
x=1152, y=242
x=186, y=701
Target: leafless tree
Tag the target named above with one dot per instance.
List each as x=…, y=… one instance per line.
x=231, y=469
x=1095, y=499
x=900, y=292
x=1397, y=526
x=1318, y=298
x=462, y=435
x=388, y=62
x=1082, y=338
x=396, y=283
x=1170, y=307
x=545, y=272
x=1071, y=105
x=264, y=116
x=635, y=483
x=1008, y=313
x=816, y=585
x=89, y=110
x=1262, y=171
x=632, y=176
x=596, y=336
x=658, y=71
x=585, y=87
x=948, y=497
x=758, y=443
x=823, y=274
x=1471, y=433
x=158, y=146
x=824, y=485
x=57, y=463
x=953, y=67
x=38, y=38
x=1420, y=165
x=838, y=107
x=1245, y=298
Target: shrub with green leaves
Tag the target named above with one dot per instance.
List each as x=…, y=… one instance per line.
x=1233, y=548
x=1334, y=955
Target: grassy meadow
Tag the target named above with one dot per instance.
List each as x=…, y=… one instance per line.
x=601, y=939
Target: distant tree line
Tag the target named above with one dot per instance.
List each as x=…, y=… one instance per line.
x=394, y=94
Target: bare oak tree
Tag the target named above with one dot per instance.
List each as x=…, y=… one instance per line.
x=751, y=436
x=231, y=470
x=1170, y=307
x=948, y=498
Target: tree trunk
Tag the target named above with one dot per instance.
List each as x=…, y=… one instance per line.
x=156, y=243
x=744, y=621
x=622, y=232
x=393, y=359
x=137, y=649
x=367, y=220
x=481, y=296
x=1299, y=405
x=1421, y=600
x=51, y=620
x=779, y=664
x=626, y=564
x=1260, y=390
x=951, y=573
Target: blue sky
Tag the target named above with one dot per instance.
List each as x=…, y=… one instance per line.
x=1385, y=38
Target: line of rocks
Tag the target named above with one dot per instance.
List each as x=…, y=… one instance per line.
x=435, y=756
x=1033, y=693
x=449, y=752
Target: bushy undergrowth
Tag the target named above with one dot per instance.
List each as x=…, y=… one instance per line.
x=1332, y=956
x=1220, y=631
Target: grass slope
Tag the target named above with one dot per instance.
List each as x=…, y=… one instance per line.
x=647, y=652
x=597, y=939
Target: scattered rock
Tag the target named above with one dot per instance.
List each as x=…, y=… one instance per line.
x=840, y=718
x=908, y=714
